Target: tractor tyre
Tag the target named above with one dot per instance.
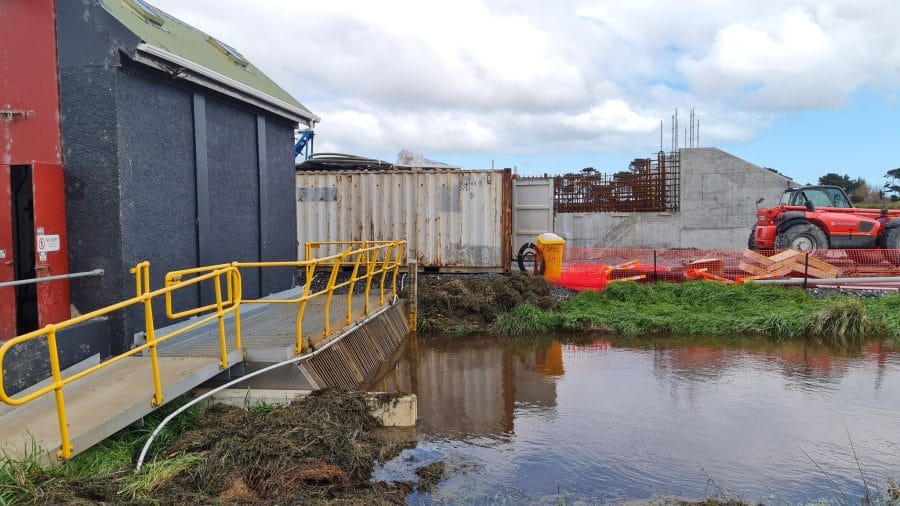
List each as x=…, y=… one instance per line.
x=751, y=242
x=804, y=237
x=890, y=241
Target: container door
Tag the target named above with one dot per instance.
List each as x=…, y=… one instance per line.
x=50, y=252
x=7, y=260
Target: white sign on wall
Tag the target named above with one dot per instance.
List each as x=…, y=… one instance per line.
x=47, y=243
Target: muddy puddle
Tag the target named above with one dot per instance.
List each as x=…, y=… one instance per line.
x=641, y=419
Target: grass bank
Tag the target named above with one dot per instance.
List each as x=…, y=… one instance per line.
x=706, y=308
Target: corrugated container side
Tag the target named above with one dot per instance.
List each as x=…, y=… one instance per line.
x=451, y=219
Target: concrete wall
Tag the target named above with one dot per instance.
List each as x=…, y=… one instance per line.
x=157, y=169
x=717, y=209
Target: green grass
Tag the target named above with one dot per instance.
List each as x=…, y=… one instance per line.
x=706, y=308
x=156, y=474
x=21, y=478
x=24, y=479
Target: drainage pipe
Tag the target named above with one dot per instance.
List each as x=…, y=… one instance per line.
x=826, y=281
x=233, y=382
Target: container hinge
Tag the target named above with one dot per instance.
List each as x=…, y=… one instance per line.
x=8, y=115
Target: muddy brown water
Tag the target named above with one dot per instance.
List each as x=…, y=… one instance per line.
x=641, y=419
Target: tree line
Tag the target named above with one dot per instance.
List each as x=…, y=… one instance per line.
x=861, y=191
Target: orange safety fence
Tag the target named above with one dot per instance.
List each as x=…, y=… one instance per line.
x=595, y=268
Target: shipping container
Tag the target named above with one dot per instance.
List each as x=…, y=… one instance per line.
x=453, y=220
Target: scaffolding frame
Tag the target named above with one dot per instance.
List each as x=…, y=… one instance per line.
x=648, y=186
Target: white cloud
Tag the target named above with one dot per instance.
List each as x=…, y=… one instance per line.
x=497, y=75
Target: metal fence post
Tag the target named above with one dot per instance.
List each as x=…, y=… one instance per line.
x=806, y=272
x=412, y=298
x=654, y=267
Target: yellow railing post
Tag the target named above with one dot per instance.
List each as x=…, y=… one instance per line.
x=301, y=309
x=238, y=296
x=335, y=268
x=139, y=276
x=150, y=335
x=65, y=449
x=384, y=270
x=310, y=268
x=220, y=316
x=370, y=273
x=401, y=249
x=352, y=284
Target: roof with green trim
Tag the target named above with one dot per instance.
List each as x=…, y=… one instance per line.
x=157, y=28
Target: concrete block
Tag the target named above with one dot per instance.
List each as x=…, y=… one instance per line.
x=396, y=411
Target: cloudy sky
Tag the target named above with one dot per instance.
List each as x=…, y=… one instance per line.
x=806, y=87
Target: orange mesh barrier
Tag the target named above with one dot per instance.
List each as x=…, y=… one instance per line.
x=594, y=268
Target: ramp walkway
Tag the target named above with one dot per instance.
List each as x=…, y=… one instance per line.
x=79, y=407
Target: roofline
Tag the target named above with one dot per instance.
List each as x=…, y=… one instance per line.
x=157, y=57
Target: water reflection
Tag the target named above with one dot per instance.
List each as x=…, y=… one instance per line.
x=613, y=420
x=474, y=390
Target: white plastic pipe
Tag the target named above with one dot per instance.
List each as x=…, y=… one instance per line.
x=218, y=389
x=826, y=281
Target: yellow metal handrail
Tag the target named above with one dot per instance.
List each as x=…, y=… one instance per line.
x=310, y=247
x=143, y=297
x=175, y=277
x=379, y=259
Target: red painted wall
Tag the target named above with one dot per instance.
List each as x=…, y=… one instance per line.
x=7, y=271
x=30, y=135
x=29, y=83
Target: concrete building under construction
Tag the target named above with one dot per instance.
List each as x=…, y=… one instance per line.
x=699, y=198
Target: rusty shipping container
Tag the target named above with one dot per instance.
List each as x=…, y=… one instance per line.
x=453, y=220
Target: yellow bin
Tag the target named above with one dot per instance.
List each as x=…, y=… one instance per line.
x=550, y=247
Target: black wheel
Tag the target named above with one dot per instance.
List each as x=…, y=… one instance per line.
x=526, y=257
x=804, y=237
x=890, y=241
x=751, y=242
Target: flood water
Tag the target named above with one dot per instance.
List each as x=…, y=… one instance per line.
x=617, y=421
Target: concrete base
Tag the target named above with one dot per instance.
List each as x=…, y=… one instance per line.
x=400, y=411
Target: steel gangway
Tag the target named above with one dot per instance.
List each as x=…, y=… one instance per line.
x=78, y=407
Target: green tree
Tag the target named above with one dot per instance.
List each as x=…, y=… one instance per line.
x=849, y=185
x=892, y=182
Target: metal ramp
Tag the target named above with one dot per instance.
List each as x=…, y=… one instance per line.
x=87, y=403
x=101, y=404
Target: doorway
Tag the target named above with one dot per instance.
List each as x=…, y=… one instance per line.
x=22, y=196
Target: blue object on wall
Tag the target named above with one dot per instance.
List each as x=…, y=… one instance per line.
x=304, y=139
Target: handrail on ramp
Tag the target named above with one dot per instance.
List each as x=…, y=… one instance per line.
x=378, y=259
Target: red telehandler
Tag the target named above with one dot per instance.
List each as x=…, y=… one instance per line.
x=810, y=218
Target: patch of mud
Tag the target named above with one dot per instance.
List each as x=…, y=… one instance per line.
x=460, y=304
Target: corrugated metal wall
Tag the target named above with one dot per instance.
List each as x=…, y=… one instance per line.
x=452, y=219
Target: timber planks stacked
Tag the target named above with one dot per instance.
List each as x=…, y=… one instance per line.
x=787, y=262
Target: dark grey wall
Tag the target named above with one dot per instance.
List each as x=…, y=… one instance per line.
x=279, y=220
x=156, y=160
x=90, y=156
x=233, y=189
x=141, y=184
